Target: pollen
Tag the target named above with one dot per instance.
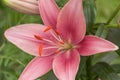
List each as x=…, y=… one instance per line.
x=40, y=49
x=38, y=37
x=48, y=28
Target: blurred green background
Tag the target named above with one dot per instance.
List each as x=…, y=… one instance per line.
x=13, y=60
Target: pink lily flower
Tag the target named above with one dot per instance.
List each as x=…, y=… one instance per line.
x=59, y=43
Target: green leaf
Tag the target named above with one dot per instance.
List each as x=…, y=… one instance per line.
x=114, y=36
x=90, y=13
x=61, y=3
x=49, y=76
x=116, y=68
x=105, y=72
x=82, y=69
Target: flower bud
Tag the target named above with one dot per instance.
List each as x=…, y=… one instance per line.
x=23, y=6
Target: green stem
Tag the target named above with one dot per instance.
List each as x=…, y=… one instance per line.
x=112, y=26
x=114, y=14
x=23, y=17
x=2, y=46
x=108, y=26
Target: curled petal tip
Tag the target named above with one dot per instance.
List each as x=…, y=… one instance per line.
x=116, y=47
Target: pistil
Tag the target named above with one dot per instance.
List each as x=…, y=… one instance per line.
x=67, y=46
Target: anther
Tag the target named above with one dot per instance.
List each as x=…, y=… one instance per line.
x=57, y=51
x=48, y=28
x=40, y=49
x=61, y=42
x=57, y=32
x=38, y=37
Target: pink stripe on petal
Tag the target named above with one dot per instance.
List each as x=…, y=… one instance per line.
x=37, y=68
x=71, y=22
x=49, y=12
x=92, y=45
x=65, y=66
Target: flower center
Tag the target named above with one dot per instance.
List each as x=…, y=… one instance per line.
x=67, y=46
x=59, y=43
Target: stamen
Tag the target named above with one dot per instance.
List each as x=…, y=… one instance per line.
x=61, y=42
x=47, y=40
x=38, y=37
x=56, y=37
x=48, y=28
x=57, y=32
x=57, y=51
x=40, y=49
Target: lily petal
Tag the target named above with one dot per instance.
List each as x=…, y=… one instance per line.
x=23, y=37
x=49, y=12
x=65, y=66
x=71, y=22
x=37, y=68
x=93, y=45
